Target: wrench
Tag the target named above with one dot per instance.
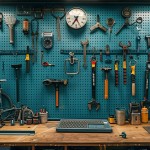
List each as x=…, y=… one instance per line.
x=138, y=44
x=85, y=43
x=58, y=19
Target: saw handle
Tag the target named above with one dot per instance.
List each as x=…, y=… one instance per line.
x=106, y=89
x=11, y=34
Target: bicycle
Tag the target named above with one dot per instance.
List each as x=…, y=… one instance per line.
x=9, y=111
x=6, y=105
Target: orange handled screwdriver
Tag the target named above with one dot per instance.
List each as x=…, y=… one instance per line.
x=106, y=82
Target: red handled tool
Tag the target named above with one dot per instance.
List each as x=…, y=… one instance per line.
x=93, y=102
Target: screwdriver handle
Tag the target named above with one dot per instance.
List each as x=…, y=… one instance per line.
x=116, y=78
x=133, y=89
x=124, y=72
x=133, y=79
x=57, y=96
x=116, y=73
x=106, y=89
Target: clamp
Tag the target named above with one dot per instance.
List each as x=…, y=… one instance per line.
x=72, y=60
x=123, y=135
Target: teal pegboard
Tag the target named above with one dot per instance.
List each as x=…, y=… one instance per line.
x=75, y=96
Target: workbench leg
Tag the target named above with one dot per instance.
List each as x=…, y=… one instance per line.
x=100, y=147
x=65, y=148
x=33, y=147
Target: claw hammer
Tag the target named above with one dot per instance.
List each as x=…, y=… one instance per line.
x=56, y=83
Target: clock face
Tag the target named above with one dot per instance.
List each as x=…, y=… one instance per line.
x=76, y=18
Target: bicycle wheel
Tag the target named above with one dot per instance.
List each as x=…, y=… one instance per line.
x=6, y=104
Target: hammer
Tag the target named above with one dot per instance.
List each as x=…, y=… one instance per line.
x=17, y=69
x=56, y=83
x=106, y=82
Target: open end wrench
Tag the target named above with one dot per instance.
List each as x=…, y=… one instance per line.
x=85, y=43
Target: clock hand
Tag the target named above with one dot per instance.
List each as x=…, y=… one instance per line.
x=78, y=23
x=74, y=21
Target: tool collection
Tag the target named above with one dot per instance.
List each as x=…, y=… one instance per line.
x=76, y=20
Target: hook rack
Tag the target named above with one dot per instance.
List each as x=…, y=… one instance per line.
x=112, y=52
x=15, y=52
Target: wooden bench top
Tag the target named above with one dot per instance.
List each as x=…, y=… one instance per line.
x=45, y=134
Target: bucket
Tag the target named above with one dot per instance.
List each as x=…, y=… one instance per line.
x=43, y=117
x=120, y=116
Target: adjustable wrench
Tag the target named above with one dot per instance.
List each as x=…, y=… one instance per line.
x=85, y=43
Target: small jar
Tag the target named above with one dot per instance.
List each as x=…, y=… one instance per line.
x=144, y=115
x=111, y=119
x=29, y=121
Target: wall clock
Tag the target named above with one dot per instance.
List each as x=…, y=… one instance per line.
x=76, y=18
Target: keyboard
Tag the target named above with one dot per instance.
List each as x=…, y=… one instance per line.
x=84, y=125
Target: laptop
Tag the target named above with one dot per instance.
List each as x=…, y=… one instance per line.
x=84, y=125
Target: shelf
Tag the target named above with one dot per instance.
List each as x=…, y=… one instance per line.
x=77, y=1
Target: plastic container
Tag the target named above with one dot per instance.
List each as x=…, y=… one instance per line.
x=43, y=117
x=120, y=116
x=144, y=115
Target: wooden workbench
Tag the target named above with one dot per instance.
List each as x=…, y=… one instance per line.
x=46, y=135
